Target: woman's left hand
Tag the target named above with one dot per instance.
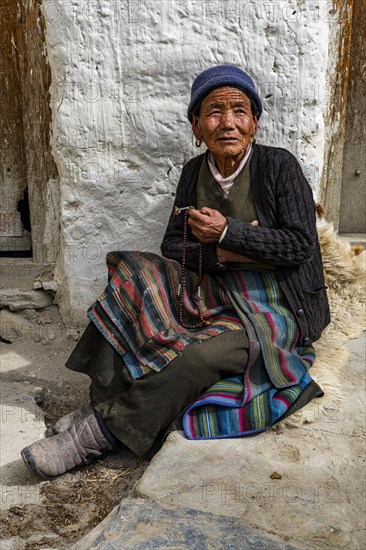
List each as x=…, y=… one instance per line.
x=207, y=224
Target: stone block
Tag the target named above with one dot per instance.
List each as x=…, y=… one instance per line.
x=317, y=494
x=19, y=272
x=139, y=524
x=14, y=326
x=17, y=299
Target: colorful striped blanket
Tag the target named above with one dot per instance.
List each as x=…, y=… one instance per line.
x=138, y=311
x=138, y=314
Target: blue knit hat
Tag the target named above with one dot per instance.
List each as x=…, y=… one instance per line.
x=222, y=75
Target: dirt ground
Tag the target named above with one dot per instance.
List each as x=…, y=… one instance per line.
x=74, y=503
x=71, y=506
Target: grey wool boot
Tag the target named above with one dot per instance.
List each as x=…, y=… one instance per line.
x=82, y=443
x=68, y=420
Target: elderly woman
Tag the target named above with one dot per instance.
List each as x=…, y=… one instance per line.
x=216, y=336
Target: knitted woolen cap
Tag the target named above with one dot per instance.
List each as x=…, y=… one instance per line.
x=222, y=75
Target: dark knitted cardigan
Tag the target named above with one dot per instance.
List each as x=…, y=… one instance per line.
x=286, y=236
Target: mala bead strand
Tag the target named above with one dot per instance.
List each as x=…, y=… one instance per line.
x=196, y=298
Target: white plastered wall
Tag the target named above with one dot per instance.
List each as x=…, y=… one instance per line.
x=121, y=73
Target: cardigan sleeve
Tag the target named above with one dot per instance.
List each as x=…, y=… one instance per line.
x=293, y=240
x=172, y=245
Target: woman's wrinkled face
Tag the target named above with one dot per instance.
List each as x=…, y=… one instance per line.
x=226, y=122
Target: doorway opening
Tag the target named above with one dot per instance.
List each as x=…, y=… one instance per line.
x=15, y=231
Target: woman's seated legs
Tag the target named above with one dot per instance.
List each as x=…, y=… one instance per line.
x=137, y=415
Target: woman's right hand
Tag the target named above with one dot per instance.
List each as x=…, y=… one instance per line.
x=207, y=224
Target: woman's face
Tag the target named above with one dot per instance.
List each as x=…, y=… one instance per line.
x=225, y=122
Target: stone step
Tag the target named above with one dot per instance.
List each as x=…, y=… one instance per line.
x=19, y=272
x=146, y=525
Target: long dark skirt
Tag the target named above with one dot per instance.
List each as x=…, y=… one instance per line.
x=138, y=412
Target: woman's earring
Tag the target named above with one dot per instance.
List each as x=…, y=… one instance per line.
x=198, y=142
x=253, y=139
